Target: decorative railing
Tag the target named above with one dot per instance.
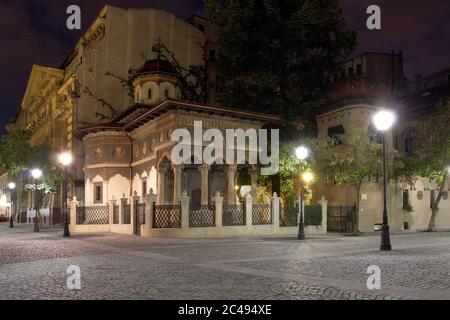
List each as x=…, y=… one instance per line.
x=93, y=215
x=116, y=214
x=341, y=218
x=233, y=215
x=166, y=216
x=288, y=216
x=126, y=214
x=261, y=214
x=204, y=216
x=141, y=213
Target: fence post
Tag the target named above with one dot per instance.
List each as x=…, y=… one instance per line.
x=275, y=210
x=112, y=203
x=324, y=204
x=133, y=211
x=248, y=203
x=73, y=213
x=123, y=202
x=184, y=202
x=149, y=199
x=218, y=204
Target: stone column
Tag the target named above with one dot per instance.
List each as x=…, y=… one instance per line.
x=218, y=201
x=149, y=199
x=204, y=171
x=324, y=205
x=276, y=210
x=161, y=185
x=177, y=170
x=231, y=193
x=123, y=202
x=73, y=213
x=112, y=203
x=254, y=181
x=184, y=202
x=248, y=210
x=133, y=211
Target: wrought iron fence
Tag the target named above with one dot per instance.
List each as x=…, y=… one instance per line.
x=93, y=215
x=126, y=214
x=166, y=216
x=233, y=215
x=341, y=218
x=141, y=213
x=261, y=214
x=115, y=214
x=288, y=216
x=203, y=216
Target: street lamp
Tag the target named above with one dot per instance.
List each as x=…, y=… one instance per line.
x=65, y=159
x=11, y=187
x=301, y=153
x=36, y=174
x=383, y=121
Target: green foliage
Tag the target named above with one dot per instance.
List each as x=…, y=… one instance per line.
x=15, y=151
x=313, y=215
x=351, y=162
x=276, y=53
x=17, y=156
x=408, y=208
x=431, y=151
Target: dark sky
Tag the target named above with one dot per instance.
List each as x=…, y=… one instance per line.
x=34, y=32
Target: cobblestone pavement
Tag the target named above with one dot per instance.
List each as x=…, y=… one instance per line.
x=33, y=266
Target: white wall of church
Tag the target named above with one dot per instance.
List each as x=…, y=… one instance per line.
x=118, y=186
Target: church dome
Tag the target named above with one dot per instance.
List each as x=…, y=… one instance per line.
x=155, y=81
x=157, y=66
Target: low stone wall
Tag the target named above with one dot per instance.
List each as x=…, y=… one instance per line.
x=213, y=228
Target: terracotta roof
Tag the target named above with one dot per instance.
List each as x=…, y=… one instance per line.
x=155, y=111
x=157, y=66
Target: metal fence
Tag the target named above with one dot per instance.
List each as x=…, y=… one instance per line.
x=166, y=216
x=261, y=214
x=93, y=215
x=288, y=216
x=203, y=216
x=115, y=214
x=126, y=214
x=233, y=215
x=341, y=218
x=141, y=213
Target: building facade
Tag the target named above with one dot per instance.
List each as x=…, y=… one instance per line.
x=94, y=84
x=368, y=83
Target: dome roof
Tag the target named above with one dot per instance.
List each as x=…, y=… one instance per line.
x=157, y=66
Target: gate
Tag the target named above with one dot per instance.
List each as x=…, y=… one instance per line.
x=140, y=218
x=341, y=218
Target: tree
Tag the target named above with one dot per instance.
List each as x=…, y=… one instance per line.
x=18, y=155
x=431, y=155
x=276, y=54
x=349, y=159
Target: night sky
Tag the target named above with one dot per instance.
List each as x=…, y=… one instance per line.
x=34, y=32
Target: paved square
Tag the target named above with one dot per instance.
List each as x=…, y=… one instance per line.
x=33, y=266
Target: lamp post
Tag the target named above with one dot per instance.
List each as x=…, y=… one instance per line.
x=301, y=153
x=11, y=187
x=383, y=121
x=36, y=174
x=65, y=159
